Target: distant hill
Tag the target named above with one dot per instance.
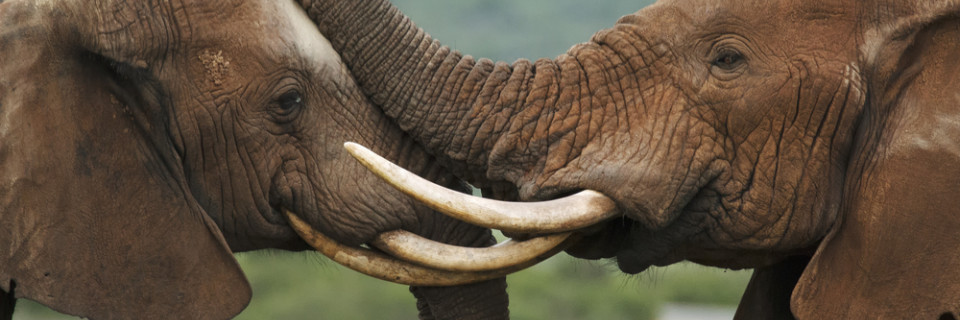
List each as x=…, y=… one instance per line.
x=510, y=29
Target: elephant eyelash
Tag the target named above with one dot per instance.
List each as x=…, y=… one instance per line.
x=290, y=100
x=728, y=59
x=287, y=106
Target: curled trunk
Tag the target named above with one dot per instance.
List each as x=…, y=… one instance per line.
x=490, y=122
x=507, y=127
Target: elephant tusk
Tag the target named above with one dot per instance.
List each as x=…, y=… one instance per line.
x=383, y=267
x=411, y=247
x=573, y=212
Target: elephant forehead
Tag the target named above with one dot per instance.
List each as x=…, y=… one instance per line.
x=303, y=35
x=256, y=39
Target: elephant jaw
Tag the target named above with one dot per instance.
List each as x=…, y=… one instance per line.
x=553, y=220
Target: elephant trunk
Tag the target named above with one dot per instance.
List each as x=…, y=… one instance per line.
x=470, y=301
x=482, y=300
x=459, y=108
x=407, y=74
x=493, y=124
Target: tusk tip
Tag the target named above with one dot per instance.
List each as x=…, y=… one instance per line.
x=358, y=151
x=352, y=146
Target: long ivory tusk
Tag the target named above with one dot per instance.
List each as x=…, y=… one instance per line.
x=382, y=267
x=573, y=212
x=411, y=247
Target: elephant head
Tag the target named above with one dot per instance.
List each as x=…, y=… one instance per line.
x=739, y=134
x=142, y=142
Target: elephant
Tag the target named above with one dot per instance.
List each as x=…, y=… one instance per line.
x=142, y=143
x=814, y=141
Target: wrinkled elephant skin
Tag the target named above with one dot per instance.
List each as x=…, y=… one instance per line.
x=143, y=142
x=739, y=134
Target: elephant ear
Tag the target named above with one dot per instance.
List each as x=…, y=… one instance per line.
x=894, y=254
x=96, y=221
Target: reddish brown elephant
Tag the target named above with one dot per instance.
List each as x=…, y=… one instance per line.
x=813, y=140
x=143, y=142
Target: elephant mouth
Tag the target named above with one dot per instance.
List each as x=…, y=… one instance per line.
x=406, y=258
x=417, y=261
x=413, y=260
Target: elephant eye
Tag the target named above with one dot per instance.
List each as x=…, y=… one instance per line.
x=288, y=106
x=728, y=59
x=290, y=100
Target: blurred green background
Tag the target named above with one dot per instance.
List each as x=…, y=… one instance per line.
x=306, y=286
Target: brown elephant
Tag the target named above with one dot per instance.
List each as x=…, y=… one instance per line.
x=813, y=140
x=143, y=142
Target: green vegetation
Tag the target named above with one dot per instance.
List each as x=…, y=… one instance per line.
x=306, y=286
x=301, y=286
